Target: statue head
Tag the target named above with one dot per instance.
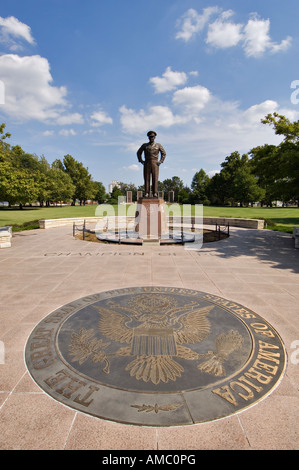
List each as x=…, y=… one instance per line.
x=151, y=135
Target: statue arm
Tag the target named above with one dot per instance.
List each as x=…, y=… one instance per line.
x=139, y=154
x=163, y=154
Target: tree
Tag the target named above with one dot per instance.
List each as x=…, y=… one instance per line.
x=58, y=164
x=233, y=170
x=81, y=178
x=17, y=185
x=283, y=126
x=287, y=155
x=100, y=192
x=124, y=187
x=6, y=135
x=171, y=184
x=199, y=186
x=27, y=178
x=116, y=193
x=185, y=195
x=230, y=167
x=217, y=190
x=265, y=165
x=236, y=183
x=246, y=187
x=4, y=146
x=59, y=186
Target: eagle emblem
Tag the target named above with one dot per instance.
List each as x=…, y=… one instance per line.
x=153, y=331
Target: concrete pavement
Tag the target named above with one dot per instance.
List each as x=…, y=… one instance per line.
x=45, y=269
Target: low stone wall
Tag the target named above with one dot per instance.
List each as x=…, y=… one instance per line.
x=68, y=222
x=5, y=237
x=245, y=223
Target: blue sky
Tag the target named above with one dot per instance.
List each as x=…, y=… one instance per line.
x=91, y=78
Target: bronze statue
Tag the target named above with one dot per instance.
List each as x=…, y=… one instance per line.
x=151, y=163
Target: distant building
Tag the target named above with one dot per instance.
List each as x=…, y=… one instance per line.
x=112, y=185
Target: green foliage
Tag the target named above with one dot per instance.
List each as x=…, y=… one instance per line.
x=59, y=185
x=4, y=146
x=283, y=160
x=268, y=173
x=240, y=185
x=100, y=194
x=17, y=185
x=124, y=187
x=84, y=188
x=171, y=184
x=27, y=178
x=283, y=126
x=116, y=193
x=184, y=196
x=199, y=186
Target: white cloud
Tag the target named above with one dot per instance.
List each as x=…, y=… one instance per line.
x=28, y=90
x=203, y=126
x=29, y=93
x=74, y=118
x=48, y=133
x=223, y=34
x=11, y=29
x=67, y=132
x=192, y=98
x=251, y=117
x=283, y=46
x=211, y=173
x=192, y=23
x=222, y=131
x=100, y=118
x=225, y=127
x=189, y=101
x=158, y=116
x=255, y=113
x=169, y=81
x=257, y=38
x=195, y=121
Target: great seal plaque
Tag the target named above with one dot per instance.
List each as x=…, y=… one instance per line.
x=156, y=356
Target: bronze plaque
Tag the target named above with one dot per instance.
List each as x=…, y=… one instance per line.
x=157, y=356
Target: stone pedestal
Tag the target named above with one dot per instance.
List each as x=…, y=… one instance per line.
x=171, y=196
x=129, y=198
x=150, y=218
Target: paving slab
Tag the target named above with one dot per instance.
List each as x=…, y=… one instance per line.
x=44, y=270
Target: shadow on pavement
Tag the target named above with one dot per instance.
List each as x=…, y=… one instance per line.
x=276, y=248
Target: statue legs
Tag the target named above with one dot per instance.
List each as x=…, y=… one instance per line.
x=151, y=170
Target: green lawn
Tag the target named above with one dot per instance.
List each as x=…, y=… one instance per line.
x=276, y=218
x=28, y=217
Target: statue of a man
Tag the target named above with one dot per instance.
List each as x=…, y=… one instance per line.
x=151, y=163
